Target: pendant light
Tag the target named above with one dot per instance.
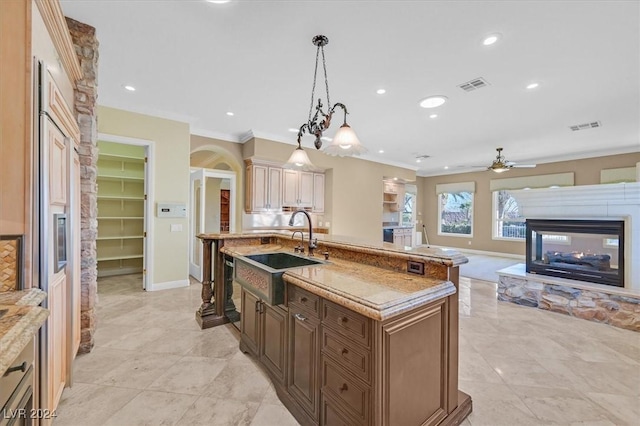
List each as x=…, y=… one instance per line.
x=345, y=142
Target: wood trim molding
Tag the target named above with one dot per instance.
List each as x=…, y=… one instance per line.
x=57, y=26
x=61, y=112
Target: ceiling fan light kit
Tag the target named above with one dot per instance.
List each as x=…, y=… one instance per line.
x=501, y=165
x=345, y=142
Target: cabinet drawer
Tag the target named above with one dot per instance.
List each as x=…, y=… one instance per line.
x=9, y=382
x=353, y=326
x=352, y=357
x=333, y=415
x=352, y=394
x=298, y=297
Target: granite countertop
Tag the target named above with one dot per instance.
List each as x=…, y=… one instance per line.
x=374, y=292
x=444, y=256
x=20, y=319
x=397, y=227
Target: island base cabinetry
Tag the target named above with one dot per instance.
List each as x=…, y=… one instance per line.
x=264, y=333
x=333, y=366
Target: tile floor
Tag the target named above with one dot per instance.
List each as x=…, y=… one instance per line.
x=152, y=365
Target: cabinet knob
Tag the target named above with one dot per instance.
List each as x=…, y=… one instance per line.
x=342, y=320
x=345, y=351
x=303, y=300
x=343, y=388
x=300, y=317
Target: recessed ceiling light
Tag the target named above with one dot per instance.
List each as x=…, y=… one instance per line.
x=532, y=86
x=418, y=161
x=381, y=151
x=395, y=178
x=433, y=101
x=381, y=91
x=130, y=88
x=433, y=116
x=292, y=130
x=218, y=1
x=491, y=39
x=446, y=167
x=230, y=114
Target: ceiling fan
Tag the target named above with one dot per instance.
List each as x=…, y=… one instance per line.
x=500, y=164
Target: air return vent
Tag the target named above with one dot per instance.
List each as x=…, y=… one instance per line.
x=477, y=83
x=585, y=126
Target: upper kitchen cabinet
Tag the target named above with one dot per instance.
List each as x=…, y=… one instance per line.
x=297, y=189
x=264, y=187
x=318, y=192
x=271, y=188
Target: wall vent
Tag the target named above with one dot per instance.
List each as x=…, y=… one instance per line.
x=585, y=126
x=476, y=83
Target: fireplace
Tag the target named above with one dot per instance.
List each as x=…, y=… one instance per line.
x=584, y=250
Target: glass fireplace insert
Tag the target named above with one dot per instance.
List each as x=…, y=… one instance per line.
x=584, y=250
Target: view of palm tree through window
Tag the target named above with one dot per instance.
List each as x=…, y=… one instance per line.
x=456, y=213
x=509, y=223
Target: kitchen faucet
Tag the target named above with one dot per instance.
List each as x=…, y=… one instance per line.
x=312, y=243
x=299, y=248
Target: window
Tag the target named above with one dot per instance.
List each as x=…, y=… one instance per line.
x=408, y=211
x=455, y=214
x=508, y=223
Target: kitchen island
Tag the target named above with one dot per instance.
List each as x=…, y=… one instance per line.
x=369, y=337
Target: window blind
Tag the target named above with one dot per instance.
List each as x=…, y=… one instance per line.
x=539, y=181
x=449, y=188
x=624, y=174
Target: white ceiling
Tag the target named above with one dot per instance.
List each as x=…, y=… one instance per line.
x=193, y=61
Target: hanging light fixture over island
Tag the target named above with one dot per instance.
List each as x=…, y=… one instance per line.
x=345, y=142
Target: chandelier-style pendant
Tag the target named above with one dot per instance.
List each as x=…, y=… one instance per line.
x=345, y=142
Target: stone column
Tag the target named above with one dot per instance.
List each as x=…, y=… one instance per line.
x=86, y=93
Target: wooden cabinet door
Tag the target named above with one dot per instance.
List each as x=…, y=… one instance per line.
x=302, y=382
x=273, y=343
x=56, y=339
x=274, y=200
x=290, y=188
x=57, y=166
x=250, y=324
x=259, y=188
x=306, y=189
x=318, y=193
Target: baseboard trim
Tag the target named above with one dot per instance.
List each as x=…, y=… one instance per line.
x=168, y=285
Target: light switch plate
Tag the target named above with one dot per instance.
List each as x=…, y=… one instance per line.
x=176, y=227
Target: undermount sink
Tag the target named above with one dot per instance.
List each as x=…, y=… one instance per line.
x=262, y=273
x=282, y=260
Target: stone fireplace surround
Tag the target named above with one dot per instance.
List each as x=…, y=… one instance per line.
x=613, y=305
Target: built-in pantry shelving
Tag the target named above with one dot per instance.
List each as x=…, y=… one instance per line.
x=121, y=198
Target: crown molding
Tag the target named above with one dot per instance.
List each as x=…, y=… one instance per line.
x=57, y=27
x=205, y=133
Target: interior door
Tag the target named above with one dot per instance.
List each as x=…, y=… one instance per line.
x=196, y=222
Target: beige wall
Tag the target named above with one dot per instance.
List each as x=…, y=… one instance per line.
x=170, y=183
x=586, y=172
